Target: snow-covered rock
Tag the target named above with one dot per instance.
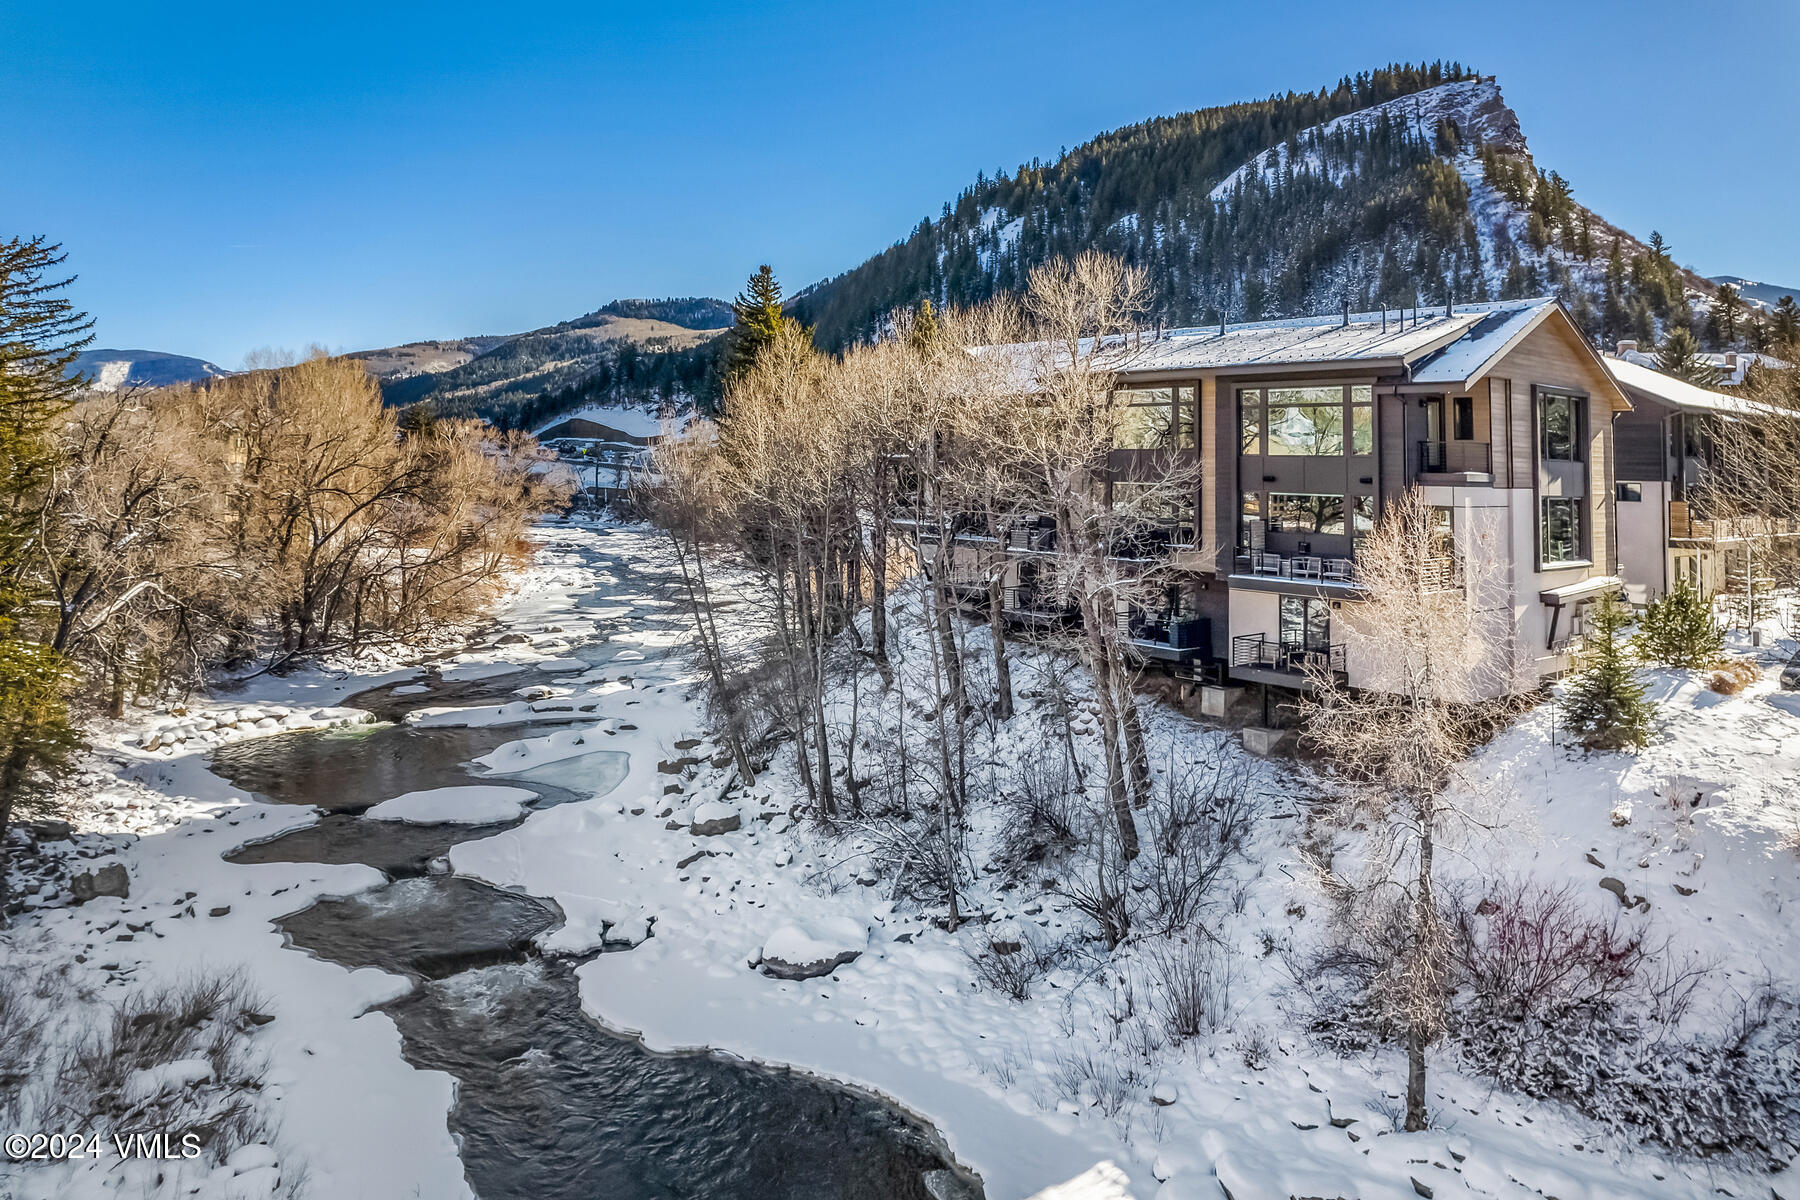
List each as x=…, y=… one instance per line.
x=820, y=947
x=714, y=818
x=478, y=804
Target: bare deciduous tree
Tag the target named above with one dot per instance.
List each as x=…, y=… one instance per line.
x=1400, y=745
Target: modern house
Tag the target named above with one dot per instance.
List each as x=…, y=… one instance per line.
x=1302, y=430
x=1662, y=448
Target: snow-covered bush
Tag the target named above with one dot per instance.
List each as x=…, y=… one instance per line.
x=1012, y=969
x=1733, y=676
x=1039, y=817
x=1197, y=822
x=177, y=1057
x=1192, y=981
x=1559, y=1004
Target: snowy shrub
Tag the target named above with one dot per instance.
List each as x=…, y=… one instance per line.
x=1192, y=986
x=1253, y=1048
x=920, y=855
x=1104, y=1081
x=1532, y=955
x=1733, y=676
x=1197, y=823
x=23, y=1017
x=1098, y=881
x=1015, y=973
x=173, y=1057
x=1039, y=817
x=1561, y=1004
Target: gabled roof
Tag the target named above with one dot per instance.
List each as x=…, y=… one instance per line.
x=1470, y=355
x=1678, y=393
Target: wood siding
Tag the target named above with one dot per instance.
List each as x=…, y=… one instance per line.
x=1638, y=445
x=1553, y=357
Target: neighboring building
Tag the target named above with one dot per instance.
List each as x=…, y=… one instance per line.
x=1661, y=452
x=1303, y=429
x=606, y=448
x=1731, y=365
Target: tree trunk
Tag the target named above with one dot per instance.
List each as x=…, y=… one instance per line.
x=1424, y=924
x=710, y=651
x=1116, y=795
x=878, y=554
x=1137, y=754
x=12, y=777
x=1003, y=689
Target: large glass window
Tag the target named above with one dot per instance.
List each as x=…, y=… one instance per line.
x=1560, y=416
x=1362, y=419
x=1306, y=421
x=1306, y=512
x=1250, y=419
x=1157, y=505
x=1362, y=514
x=1305, y=623
x=1561, y=529
x=1250, y=521
x=1144, y=419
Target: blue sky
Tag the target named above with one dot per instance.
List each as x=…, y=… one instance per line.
x=227, y=176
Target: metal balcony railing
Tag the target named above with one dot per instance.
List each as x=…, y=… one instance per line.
x=1290, y=655
x=1175, y=630
x=1455, y=458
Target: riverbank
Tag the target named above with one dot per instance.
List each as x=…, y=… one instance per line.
x=711, y=884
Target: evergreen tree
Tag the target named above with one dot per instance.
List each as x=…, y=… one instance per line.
x=40, y=335
x=1680, y=357
x=1605, y=705
x=757, y=313
x=1784, y=323
x=1723, y=316
x=1680, y=630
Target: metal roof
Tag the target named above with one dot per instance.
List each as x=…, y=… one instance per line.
x=1370, y=337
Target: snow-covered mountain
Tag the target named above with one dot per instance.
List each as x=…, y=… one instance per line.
x=1406, y=185
x=110, y=370
x=1763, y=295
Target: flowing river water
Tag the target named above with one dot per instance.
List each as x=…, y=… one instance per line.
x=550, y=1105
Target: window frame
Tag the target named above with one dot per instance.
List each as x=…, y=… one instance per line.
x=1578, y=545
x=1355, y=433
x=1578, y=424
x=1462, y=418
x=1275, y=525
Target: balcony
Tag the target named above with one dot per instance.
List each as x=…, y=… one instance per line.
x=1168, y=635
x=1685, y=527
x=1308, y=568
x=1028, y=604
x=1455, y=458
x=1286, y=656
x=1152, y=542
x=1035, y=535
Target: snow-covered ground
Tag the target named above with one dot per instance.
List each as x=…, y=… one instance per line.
x=1027, y=1093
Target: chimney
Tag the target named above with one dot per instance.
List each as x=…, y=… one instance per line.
x=1627, y=346
x=1731, y=360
